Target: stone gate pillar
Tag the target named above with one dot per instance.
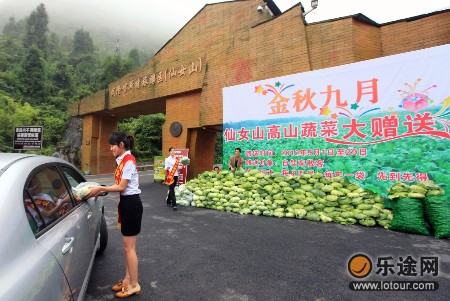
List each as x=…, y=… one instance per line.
x=96, y=158
x=201, y=149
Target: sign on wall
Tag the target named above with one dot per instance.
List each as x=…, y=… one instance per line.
x=377, y=122
x=28, y=138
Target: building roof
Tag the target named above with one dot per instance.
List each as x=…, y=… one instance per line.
x=363, y=18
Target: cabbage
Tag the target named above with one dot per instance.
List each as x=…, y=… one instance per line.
x=325, y=218
x=313, y=216
x=185, y=161
x=278, y=214
x=367, y=222
x=299, y=213
x=267, y=213
x=83, y=189
x=81, y=192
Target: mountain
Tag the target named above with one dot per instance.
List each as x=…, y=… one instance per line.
x=108, y=27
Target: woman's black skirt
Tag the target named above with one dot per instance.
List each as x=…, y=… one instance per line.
x=130, y=210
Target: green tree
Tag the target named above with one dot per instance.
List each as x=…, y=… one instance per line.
x=85, y=62
x=134, y=58
x=113, y=68
x=66, y=44
x=147, y=131
x=10, y=53
x=12, y=29
x=62, y=82
x=37, y=29
x=32, y=76
x=83, y=47
x=55, y=53
x=54, y=123
x=87, y=74
x=13, y=114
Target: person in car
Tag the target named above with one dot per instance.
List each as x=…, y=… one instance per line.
x=46, y=205
x=130, y=209
x=62, y=198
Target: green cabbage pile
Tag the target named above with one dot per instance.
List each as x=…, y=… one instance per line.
x=309, y=196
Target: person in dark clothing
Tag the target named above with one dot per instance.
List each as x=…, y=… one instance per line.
x=236, y=161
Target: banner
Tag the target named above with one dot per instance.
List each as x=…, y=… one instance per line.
x=158, y=168
x=376, y=122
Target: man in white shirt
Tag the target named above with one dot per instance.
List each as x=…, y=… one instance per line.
x=172, y=167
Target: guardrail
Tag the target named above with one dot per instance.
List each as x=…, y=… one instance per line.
x=145, y=167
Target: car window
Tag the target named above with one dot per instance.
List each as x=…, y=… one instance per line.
x=73, y=177
x=34, y=216
x=46, y=199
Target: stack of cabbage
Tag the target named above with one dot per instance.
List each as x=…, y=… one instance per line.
x=309, y=196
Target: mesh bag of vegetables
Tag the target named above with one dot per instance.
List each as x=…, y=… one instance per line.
x=437, y=210
x=408, y=216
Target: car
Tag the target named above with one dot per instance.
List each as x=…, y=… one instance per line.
x=50, y=237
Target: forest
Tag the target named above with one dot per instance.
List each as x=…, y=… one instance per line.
x=41, y=73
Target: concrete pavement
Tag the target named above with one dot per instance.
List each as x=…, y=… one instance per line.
x=202, y=254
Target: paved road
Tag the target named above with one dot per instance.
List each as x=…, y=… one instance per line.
x=202, y=254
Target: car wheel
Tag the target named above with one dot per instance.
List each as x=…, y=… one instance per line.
x=103, y=236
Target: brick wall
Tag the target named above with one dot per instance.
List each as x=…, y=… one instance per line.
x=184, y=109
x=417, y=34
x=366, y=41
x=331, y=43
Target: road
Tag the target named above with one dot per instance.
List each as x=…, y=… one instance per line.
x=202, y=254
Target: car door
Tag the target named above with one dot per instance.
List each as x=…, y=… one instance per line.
x=68, y=237
x=91, y=207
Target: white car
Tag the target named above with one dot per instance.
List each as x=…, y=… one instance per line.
x=49, y=238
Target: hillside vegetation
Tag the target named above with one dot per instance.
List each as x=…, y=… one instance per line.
x=41, y=73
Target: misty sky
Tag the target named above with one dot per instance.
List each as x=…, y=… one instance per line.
x=166, y=18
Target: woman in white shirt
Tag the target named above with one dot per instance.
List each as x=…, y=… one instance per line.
x=130, y=209
x=172, y=167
